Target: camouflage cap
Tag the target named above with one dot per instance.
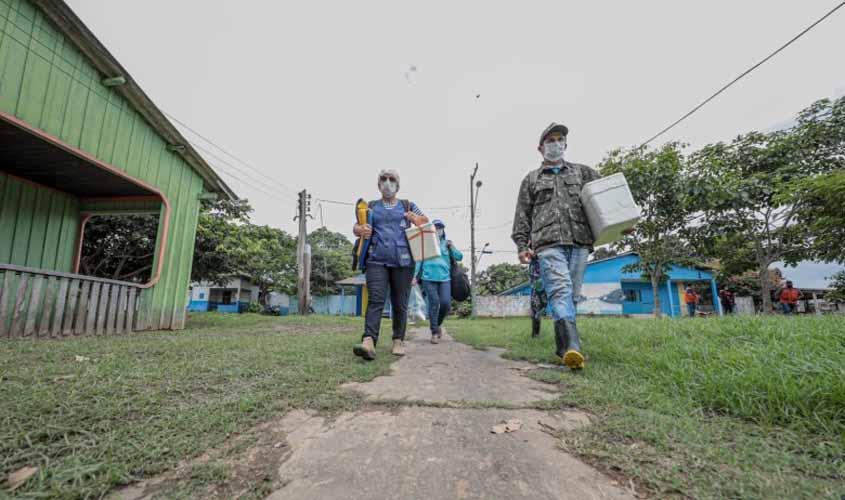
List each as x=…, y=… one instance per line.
x=554, y=127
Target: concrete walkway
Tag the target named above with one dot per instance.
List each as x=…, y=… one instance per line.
x=429, y=436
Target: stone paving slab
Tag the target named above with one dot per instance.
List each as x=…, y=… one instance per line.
x=454, y=372
x=436, y=453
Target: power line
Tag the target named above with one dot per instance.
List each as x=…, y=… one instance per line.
x=246, y=174
x=749, y=70
x=488, y=251
x=92, y=89
x=335, y=202
x=428, y=209
x=230, y=155
x=503, y=224
x=108, y=102
x=248, y=184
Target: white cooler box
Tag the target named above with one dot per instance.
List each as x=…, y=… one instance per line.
x=423, y=242
x=610, y=208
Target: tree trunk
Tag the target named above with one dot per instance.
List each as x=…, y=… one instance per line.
x=765, y=290
x=655, y=289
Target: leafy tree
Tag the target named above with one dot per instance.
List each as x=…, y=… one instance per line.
x=659, y=184
x=603, y=252
x=500, y=277
x=748, y=283
x=219, y=222
x=837, y=282
x=228, y=245
x=823, y=209
x=753, y=209
x=264, y=254
x=331, y=260
x=119, y=247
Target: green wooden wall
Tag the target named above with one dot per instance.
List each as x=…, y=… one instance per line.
x=38, y=227
x=46, y=82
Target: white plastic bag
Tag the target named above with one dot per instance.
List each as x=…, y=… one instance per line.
x=416, y=305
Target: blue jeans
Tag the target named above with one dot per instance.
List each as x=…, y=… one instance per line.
x=438, y=294
x=691, y=310
x=788, y=308
x=562, y=270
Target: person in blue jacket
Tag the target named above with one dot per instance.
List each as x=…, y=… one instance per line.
x=389, y=263
x=435, y=275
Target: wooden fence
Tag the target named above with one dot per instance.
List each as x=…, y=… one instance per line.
x=35, y=303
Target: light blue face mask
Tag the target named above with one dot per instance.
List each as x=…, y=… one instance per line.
x=389, y=188
x=441, y=234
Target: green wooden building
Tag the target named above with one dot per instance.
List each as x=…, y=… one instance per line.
x=78, y=138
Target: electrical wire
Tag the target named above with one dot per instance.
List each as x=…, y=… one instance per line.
x=335, y=202
x=95, y=90
x=498, y=226
x=241, y=180
x=746, y=72
x=242, y=172
x=230, y=155
x=431, y=209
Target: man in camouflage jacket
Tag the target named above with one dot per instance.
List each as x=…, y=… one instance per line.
x=550, y=224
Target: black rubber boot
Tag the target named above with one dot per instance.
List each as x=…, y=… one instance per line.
x=561, y=338
x=573, y=357
x=535, y=327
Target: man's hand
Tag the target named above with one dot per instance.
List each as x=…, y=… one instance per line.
x=526, y=256
x=364, y=231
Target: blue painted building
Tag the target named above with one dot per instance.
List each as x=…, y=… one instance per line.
x=233, y=297
x=607, y=289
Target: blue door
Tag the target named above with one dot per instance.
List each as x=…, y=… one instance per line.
x=639, y=298
x=647, y=298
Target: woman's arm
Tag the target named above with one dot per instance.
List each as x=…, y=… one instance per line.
x=416, y=216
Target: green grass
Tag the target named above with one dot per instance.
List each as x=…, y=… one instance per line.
x=749, y=407
x=141, y=403
x=721, y=408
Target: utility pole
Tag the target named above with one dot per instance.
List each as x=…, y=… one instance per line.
x=473, y=201
x=303, y=254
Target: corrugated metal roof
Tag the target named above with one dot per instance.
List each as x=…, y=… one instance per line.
x=72, y=27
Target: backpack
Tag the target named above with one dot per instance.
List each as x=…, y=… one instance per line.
x=459, y=285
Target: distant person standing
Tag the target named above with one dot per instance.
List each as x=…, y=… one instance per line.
x=788, y=297
x=691, y=298
x=728, y=300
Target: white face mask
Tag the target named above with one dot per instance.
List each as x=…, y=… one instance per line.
x=553, y=151
x=388, y=188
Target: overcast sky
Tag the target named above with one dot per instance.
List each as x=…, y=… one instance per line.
x=318, y=94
